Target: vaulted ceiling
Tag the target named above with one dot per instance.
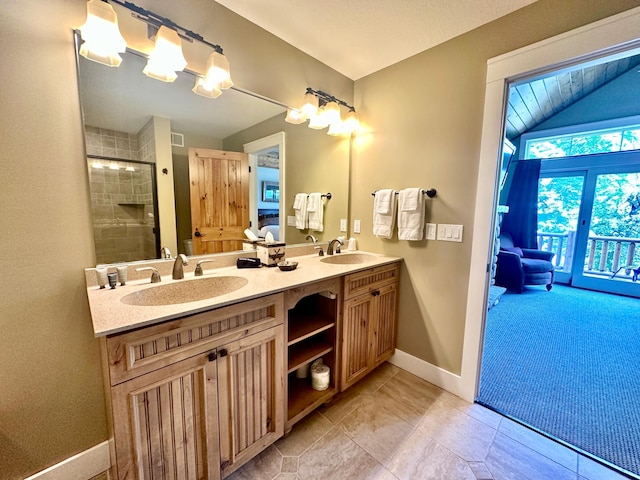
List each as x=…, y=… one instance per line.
x=532, y=103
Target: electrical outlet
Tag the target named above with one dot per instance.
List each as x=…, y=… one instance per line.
x=431, y=231
x=291, y=220
x=356, y=226
x=343, y=224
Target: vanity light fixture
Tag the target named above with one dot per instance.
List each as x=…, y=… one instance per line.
x=166, y=58
x=323, y=110
x=102, y=38
x=102, y=42
x=217, y=76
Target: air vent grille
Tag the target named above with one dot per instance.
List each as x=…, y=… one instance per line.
x=177, y=139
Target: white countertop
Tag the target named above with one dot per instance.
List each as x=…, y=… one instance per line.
x=110, y=315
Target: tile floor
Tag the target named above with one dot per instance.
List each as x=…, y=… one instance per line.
x=395, y=426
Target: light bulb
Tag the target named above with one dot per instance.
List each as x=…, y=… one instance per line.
x=166, y=58
x=102, y=39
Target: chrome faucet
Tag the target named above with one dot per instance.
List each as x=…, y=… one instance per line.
x=178, y=272
x=165, y=252
x=312, y=238
x=330, y=247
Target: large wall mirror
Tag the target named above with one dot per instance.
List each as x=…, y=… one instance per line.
x=138, y=135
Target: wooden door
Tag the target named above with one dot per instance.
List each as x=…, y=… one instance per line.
x=251, y=396
x=219, y=191
x=166, y=423
x=356, y=360
x=384, y=324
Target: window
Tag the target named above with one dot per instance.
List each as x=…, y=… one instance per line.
x=586, y=142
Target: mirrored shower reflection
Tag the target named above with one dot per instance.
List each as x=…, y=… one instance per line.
x=123, y=207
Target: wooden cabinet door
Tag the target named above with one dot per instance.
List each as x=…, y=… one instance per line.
x=384, y=324
x=166, y=423
x=219, y=192
x=251, y=396
x=356, y=360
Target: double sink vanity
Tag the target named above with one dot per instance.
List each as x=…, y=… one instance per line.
x=203, y=373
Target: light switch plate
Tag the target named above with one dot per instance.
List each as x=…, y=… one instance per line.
x=431, y=231
x=449, y=233
x=291, y=220
x=343, y=224
x=356, y=226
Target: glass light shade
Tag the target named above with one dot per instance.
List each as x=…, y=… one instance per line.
x=114, y=166
x=332, y=113
x=206, y=90
x=309, y=105
x=130, y=169
x=352, y=122
x=318, y=121
x=337, y=129
x=217, y=74
x=166, y=58
x=295, y=116
x=102, y=39
x=96, y=164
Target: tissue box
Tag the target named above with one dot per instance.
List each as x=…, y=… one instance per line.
x=249, y=245
x=271, y=253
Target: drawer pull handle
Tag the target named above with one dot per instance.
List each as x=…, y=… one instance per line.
x=212, y=356
x=375, y=293
x=223, y=352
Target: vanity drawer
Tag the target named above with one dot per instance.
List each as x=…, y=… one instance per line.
x=369, y=280
x=140, y=351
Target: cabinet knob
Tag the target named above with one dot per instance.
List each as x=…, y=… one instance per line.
x=223, y=352
x=375, y=293
x=212, y=356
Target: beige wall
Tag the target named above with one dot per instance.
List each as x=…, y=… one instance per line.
x=51, y=396
x=425, y=116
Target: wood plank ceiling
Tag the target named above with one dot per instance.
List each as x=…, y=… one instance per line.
x=532, y=103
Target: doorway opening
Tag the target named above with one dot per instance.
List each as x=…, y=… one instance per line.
x=553, y=360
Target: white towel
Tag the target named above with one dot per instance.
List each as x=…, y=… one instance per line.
x=300, y=209
x=315, y=207
x=411, y=221
x=383, y=223
x=383, y=200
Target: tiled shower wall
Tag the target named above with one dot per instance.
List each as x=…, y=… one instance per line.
x=121, y=201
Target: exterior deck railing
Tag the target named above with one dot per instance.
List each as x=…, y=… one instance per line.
x=606, y=256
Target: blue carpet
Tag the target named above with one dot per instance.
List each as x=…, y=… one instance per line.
x=567, y=362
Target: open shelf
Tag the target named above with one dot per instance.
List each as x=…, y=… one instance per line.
x=301, y=328
x=303, y=397
x=306, y=351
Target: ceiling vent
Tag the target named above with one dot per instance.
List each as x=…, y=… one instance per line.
x=177, y=139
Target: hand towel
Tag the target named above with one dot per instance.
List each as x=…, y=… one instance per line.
x=300, y=209
x=315, y=207
x=383, y=223
x=383, y=200
x=411, y=199
x=410, y=221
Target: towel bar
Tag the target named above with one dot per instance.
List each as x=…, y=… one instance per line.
x=432, y=192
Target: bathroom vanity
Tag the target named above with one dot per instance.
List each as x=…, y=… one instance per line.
x=197, y=388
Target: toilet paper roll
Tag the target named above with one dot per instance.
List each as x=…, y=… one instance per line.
x=320, y=374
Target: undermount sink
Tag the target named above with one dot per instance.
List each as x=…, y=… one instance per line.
x=348, y=258
x=185, y=291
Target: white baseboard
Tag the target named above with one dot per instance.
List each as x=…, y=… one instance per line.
x=82, y=466
x=429, y=372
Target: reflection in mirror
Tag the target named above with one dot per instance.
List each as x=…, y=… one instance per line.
x=131, y=117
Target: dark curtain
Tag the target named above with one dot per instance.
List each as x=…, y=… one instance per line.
x=522, y=220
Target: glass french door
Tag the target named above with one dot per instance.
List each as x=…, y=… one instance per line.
x=607, y=253
x=559, y=202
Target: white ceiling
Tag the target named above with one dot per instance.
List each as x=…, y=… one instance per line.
x=359, y=37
